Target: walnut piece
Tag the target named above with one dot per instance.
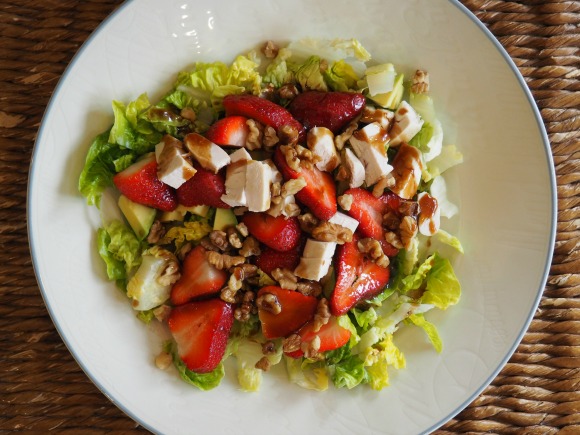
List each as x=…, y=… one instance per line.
x=255, y=135
x=298, y=157
x=345, y=201
x=270, y=137
x=242, y=313
x=384, y=182
x=394, y=239
x=309, y=288
x=242, y=229
x=170, y=274
x=322, y=315
x=308, y=222
x=331, y=232
x=269, y=348
x=340, y=140
x=263, y=364
x=408, y=229
x=156, y=233
x=223, y=261
x=373, y=250
x=420, y=82
x=184, y=250
x=292, y=187
x=162, y=312
x=291, y=343
x=234, y=237
x=286, y=278
x=163, y=361
x=310, y=348
x=288, y=91
x=269, y=302
x=270, y=49
x=391, y=220
x=188, y=113
x=250, y=247
x=288, y=134
x=219, y=239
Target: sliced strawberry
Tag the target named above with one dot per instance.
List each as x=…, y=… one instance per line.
x=296, y=310
x=198, y=278
x=262, y=110
x=279, y=233
x=356, y=278
x=368, y=211
x=319, y=194
x=140, y=184
x=231, y=130
x=201, y=331
x=333, y=110
x=332, y=336
x=270, y=259
x=204, y=188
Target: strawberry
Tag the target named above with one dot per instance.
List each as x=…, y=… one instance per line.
x=319, y=194
x=296, y=310
x=332, y=336
x=262, y=110
x=356, y=278
x=140, y=184
x=368, y=211
x=231, y=130
x=270, y=259
x=198, y=278
x=201, y=331
x=333, y=110
x=279, y=233
x=204, y=188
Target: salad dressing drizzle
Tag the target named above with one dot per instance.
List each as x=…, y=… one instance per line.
x=407, y=169
x=428, y=207
x=377, y=141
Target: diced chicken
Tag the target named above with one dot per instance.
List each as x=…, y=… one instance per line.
x=407, y=169
x=235, y=195
x=344, y=220
x=258, y=181
x=313, y=269
x=429, y=214
x=172, y=167
x=276, y=174
x=320, y=141
x=317, y=249
x=209, y=155
x=373, y=114
x=355, y=168
x=407, y=124
x=370, y=145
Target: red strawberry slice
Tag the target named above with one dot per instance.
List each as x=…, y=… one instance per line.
x=356, y=278
x=333, y=110
x=198, y=278
x=140, y=184
x=368, y=211
x=271, y=259
x=231, y=130
x=332, y=336
x=262, y=110
x=319, y=194
x=279, y=233
x=201, y=331
x=297, y=309
x=204, y=188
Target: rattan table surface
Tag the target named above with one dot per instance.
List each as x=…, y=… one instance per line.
x=43, y=389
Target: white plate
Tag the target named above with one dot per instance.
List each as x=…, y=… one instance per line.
x=505, y=189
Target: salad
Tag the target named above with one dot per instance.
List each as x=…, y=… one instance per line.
x=284, y=209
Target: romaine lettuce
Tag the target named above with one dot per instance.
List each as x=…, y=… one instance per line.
x=203, y=381
x=429, y=328
x=442, y=286
x=120, y=249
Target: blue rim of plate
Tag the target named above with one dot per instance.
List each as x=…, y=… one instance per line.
x=552, y=235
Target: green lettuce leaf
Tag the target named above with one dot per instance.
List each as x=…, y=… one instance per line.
x=444, y=237
x=311, y=377
x=429, y=328
x=101, y=164
x=416, y=279
x=366, y=318
x=278, y=72
x=449, y=157
x=203, y=381
x=115, y=267
x=191, y=231
x=309, y=76
x=442, y=289
x=341, y=77
x=119, y=248
x=247, y=354
x=349, y=373
x=131, y=128
x=345, y=322
x=124, y=162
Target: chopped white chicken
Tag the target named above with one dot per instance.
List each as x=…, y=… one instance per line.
x=209, y=155
x=407, y=169
x=316, y=259
x=258, y=181
x=320, y=141
x=276, y=174
x=173, y=168
x=355, y=168
x=235, y=195
x=370, y=145
x=407, y=124
x=318, y=249
x=344, y=220
x=429, y=214
x=373, y=114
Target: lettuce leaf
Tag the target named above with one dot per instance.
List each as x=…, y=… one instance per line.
x=429, y=328
x=309, y=76
x=191, y=231
x=366, y=318
x=278, y=72
x=349, y=373
x=203, y=381
x=131, y=129
x=311, y=377
x=444, y=237
x=120, y=249
x=449, y=157
x=341, y=77
x=442, y=286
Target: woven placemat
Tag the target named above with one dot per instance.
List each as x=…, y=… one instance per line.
x=42, y=388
